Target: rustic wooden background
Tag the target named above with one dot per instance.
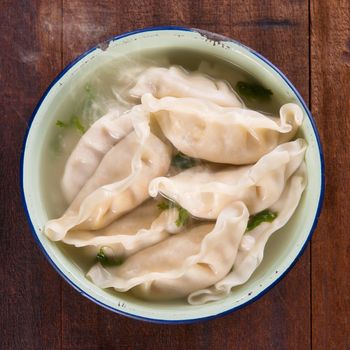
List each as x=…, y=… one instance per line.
x=310, y=42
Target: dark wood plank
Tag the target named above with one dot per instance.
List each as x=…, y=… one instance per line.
x=30, y=303
x=281, y=319
x=330, y=64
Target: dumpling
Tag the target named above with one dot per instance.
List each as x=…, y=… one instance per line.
x=177, y=82
x=119, y=184
x=250, y=255
x=181, y=264
x=93, y=145
x=142, y=227
x=202, y=129
x=205, y=190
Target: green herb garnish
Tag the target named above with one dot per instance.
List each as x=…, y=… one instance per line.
x=73, y=122
x=264, y=216
x=166, y=205
x=106, y=260
x=183, y=215
x=77, y=124
x=253, y=91
x=182, y=161
x=61, y=124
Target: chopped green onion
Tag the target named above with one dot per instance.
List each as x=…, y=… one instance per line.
x=253, y=91
x=73, y=122
x=60, y=123
x=77, y=124
x=182, y=161
x=183, y=215
x=257, y=219
x=166, y=205
x=107, y=261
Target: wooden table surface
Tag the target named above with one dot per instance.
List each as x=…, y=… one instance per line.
x=310, y=42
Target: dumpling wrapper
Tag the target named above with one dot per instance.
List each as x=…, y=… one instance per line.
x=177, y=82
x=142, y=227
x=181, y=264
x=205, y=190
x=202, y=129
x=119, y=184
x=91, y=148
x=252, y=247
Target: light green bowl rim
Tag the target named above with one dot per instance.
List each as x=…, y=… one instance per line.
x=215, y=38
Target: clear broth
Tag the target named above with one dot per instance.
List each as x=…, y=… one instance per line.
x=107, y=86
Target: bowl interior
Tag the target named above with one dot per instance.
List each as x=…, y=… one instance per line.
x=187, y=48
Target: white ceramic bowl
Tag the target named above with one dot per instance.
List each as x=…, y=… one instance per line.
x=284, y=247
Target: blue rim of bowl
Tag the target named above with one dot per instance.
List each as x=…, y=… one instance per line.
x=200, y=319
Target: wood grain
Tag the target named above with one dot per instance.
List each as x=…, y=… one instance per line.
x=330, y=67
x=310, y=307
x=30, y=300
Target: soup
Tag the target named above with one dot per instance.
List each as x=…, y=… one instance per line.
x=217, y=161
